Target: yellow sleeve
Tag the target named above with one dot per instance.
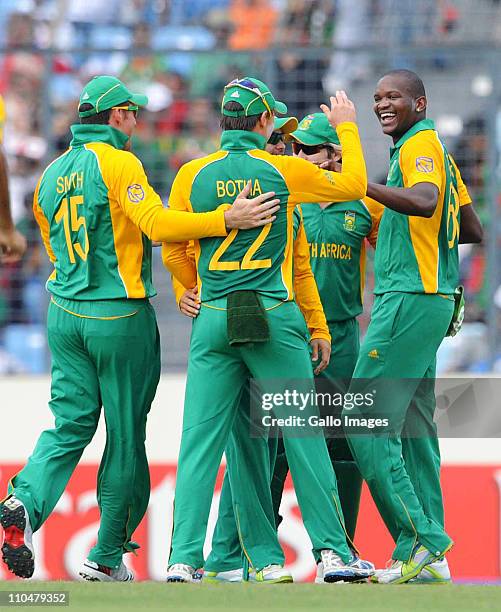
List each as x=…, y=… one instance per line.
x=177, y=286
x=464, y=196
x=421, y=160
x=2, y=118
x=308, y=183
x=128, y=184
x=176, y=256
x=306, y=291
x=43, y=224
x=178, y=289
x=376, y=212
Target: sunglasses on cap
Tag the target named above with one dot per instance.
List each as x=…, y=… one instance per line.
x=250, y=86
x=275, y=138
x=133, y=108
x=309, y=149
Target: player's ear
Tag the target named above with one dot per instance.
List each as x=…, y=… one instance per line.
x=115, y=117
x=264, y=119
x=421, y=104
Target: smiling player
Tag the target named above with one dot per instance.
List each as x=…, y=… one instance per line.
x=427, y=213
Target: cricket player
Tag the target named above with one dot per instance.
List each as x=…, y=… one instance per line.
x=226, y=560
x=249, y=326
x=336, y=236
x=97, y=216
x=12, y=242
x=427, y=212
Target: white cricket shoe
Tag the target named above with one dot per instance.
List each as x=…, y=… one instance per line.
x=437, y=572
x=235, y=575
x=336, y=570
x=392, y=566
x=17, y=546
x=94, y=572
x=271, y=574
x=180, y=572
x=400, y=572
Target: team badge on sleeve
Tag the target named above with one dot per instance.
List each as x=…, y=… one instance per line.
x=424, y=164
x=135, y=193
x=349, y=220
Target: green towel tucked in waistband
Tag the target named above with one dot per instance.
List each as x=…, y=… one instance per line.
x=246, y=318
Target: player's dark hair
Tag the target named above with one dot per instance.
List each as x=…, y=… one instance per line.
x=413, y=83
x=330, y=151
x=238, y=123
x=102, y=118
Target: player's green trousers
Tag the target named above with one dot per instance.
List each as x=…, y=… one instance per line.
x=345, y=337
x=226, y=552
x=217, y=374
x=402, y=465
x=104, y=354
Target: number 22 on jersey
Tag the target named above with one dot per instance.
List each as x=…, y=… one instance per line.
x=247, y=262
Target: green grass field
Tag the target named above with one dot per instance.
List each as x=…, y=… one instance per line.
x=345, y=598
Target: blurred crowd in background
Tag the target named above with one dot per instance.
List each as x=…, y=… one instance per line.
x=181, y=54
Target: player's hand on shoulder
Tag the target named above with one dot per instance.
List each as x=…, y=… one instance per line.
x=247, y=213
x=189, y=304
x=341, y=109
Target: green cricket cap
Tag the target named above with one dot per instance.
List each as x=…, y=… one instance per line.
x=286, y=125
x=104, y=92
x=253, y=95
x=315, y=129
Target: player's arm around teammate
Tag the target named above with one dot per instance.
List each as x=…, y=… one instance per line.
x=97, y=212
x=305, y=182
x=261, y=265
x=224, y=563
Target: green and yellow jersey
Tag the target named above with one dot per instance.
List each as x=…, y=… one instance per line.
x=305, y=288
x=336, y=236
x=258, y=259
x=97, y=214
x=418, y=254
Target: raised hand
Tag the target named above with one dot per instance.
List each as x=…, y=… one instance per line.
x=341, y=109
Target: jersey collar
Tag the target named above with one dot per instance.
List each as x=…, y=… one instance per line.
x=85, y=133
x=241, y=140
x=420, y=126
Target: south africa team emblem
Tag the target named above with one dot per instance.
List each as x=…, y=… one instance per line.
x=349, y=221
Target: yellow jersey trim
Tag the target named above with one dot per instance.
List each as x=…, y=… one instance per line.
x=127, y=237
x=111, y=318
x=225, y=309
x=424, y=231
